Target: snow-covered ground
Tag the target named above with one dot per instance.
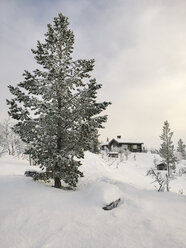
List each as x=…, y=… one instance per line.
x=133, y=171
x=35, y=215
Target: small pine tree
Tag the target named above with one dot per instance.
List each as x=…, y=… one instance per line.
x=167, y=148
x=56, y=106
x=181, y=148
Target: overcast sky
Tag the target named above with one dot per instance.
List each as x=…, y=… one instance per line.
x=140, y=52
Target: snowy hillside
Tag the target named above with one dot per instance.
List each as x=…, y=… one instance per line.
x=134, y=170
x=34, y=215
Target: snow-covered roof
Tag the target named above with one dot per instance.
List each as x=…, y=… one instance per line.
x=122, y=141
x=126, y=141
x=105, y=144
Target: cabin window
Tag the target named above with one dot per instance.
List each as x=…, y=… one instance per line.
x=125, y=147
x=135, y=147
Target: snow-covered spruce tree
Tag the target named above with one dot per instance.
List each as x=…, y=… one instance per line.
x=56, y=106
x=181, y=148
x=167, y=148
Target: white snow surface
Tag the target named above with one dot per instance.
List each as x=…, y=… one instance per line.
x=35, y=215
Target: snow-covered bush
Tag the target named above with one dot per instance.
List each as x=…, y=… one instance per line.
x=10, y=142
x=2, y=150
x=160, y=179
x=38, y=175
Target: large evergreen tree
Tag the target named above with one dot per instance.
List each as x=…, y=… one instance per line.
x=167, y=148
x=56, y=107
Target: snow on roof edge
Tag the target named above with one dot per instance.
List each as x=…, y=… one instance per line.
x=126, y=141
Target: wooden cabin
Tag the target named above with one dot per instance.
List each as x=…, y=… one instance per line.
x=117, y=144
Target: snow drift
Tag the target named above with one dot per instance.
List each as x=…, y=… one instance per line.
x=35, y=215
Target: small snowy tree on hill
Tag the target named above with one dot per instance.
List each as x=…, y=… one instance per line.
x=167, y=148
x=56, y=106
x=181, y=148
x=166, y=152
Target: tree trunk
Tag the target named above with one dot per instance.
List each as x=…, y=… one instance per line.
x=59, y=136
x=167, y=182
x=30, y=160
x=168, y=169
x=57, y=182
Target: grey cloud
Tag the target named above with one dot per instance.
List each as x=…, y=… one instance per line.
x=139, y=47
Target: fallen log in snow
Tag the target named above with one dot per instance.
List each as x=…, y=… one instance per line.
x=112, y=205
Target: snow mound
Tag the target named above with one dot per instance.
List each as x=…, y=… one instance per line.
x=103, y=193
